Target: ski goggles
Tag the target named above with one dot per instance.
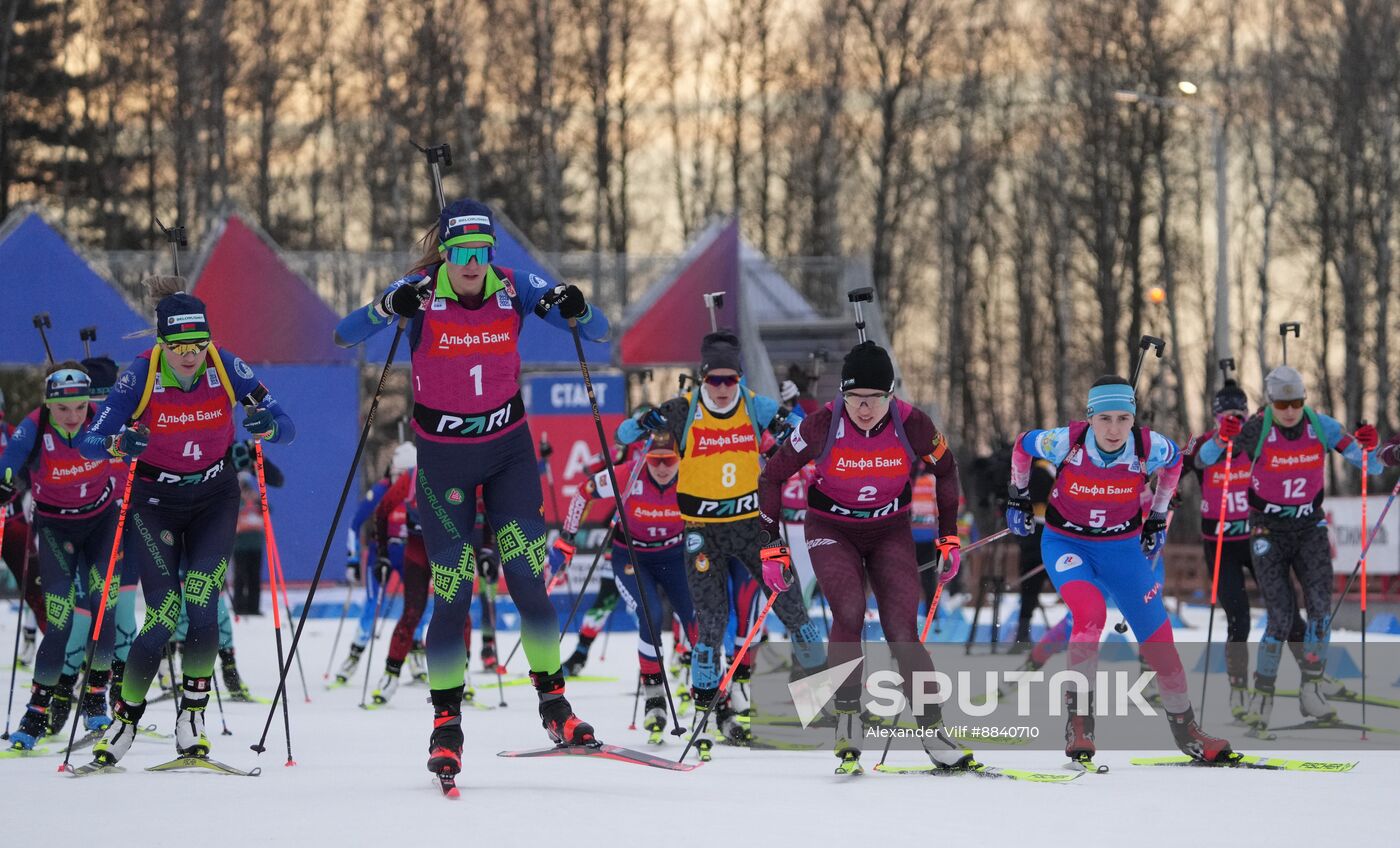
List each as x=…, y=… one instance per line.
x=871, y=401
x=663, y=459
x=1281, y=405
x=463, y=255
x=725, y=380
x=186, y=348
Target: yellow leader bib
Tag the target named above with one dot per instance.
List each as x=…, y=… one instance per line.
x=719, y=466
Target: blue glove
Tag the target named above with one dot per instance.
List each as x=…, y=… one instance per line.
x=1154, y=534
x=1020, y=515
x=652, y=420
x=260, y=423
x=129, y=442
x=561, y=553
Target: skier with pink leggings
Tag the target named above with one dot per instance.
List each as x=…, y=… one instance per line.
x=1097, y=545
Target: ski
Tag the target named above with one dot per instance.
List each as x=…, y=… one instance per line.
x=601, y=751
x=979, y=770
x=1336, y=725
x=447, y=782
x=180, y=763
x=150, y=732
x=1349, y=697
x=21, y=753
x=1249, y=761
x=95, y=768
x=89, y=738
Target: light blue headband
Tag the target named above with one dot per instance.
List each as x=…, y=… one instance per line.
x=1112, y=398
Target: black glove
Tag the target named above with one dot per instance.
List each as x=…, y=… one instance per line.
x=7, y=492
x=652, y=419
x=569, y=299
x=403, y=300
x=382, y=567
x=129, y=442
x=1154, y=534
x=1020, y=513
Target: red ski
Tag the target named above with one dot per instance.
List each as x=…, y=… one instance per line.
x=606, y=752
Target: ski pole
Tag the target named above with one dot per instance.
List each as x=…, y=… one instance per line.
x=636, y=699
x=219, y=699
x=729, y=674
x=985, y=540
x=19, y=620
x=381, y=613
x=1365, y=461
x=275, y=559
x=644, y=604
x=1215, y=579
x=41, y=322
x=344, y=611
x=272, y=577
x=546, y=450
x=101, y=609
x=1370, y=539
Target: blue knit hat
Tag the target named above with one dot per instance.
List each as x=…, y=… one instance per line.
x=466, y=220
x=1111, y=394
x=67, y=385
x=180, y=318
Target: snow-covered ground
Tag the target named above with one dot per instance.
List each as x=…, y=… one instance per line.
x=360, y=780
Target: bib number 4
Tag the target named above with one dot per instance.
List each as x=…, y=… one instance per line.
x=193, y=451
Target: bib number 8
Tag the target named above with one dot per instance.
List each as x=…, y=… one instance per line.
x=728, y=475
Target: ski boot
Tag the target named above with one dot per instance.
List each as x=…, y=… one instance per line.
x=1079, y=729
x=488, y=653
x=1261, y=707
x=28, y=647
x=445, y=744
x=347, y=668
x=735, y=732
x=114, y=689
x=190, y=740
x=34, y=724
x=94, y=704
x=62, y=705
x=1195, y=742
x=850, y=729
x=233, y=681
x=654, y=719
x=389, y=683
x=1312, y=703
x=120, y=734
x=945, y=751
x=704, y=702
x=418, y=663
x=573, y=666
x=1239, y=699
x=556, y=715
x=739, y=692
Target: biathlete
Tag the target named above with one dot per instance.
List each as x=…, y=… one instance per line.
x=74, y=520
x=465, y=318
x=866, y=447
x=717, y=429
x=1096, y=543
x=654, y=525
x=172, y=413
x=1286, y=451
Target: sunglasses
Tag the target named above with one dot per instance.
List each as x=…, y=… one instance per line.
x=1281, y=405
x=727, y=380
x=663, y=460
x=460, y=255
x=185, y=348
x=866, y=400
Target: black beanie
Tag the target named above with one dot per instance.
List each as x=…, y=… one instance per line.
x=103, y=372
x=720, y=350
x=867, y=366
x=1230, y=397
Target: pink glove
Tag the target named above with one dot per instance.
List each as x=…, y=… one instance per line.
x=950, y=554
x=777, y=565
